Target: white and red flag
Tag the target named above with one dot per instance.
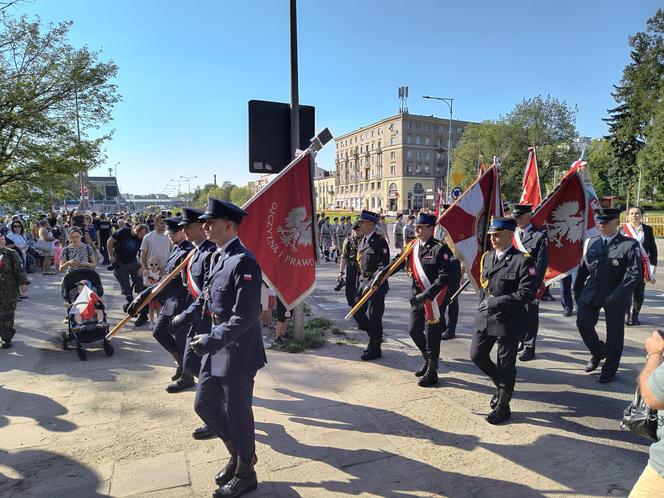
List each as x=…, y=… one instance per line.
x=531, y=193
x=467, y=220
x=564, y=215
x=85, y=304
x=279, y=231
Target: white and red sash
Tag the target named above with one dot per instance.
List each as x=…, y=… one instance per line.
x=648, y=269
x=194, y=290
x=518, y=244
x=431, y=312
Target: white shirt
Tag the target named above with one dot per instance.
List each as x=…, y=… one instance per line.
x=609, y=239
x=638, y=231
x=524, y=230
x=367, y=237
x=500, y=254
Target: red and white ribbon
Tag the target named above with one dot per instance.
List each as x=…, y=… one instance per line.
x=431, y=311
x=648, y=270
x=194, y=290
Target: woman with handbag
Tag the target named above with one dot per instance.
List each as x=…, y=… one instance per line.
x=651, y=386
x=46, y=244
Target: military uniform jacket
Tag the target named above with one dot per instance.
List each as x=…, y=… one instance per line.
x=536, y=244
x=613, y=272
x=349, y=251
x=408, y=232
x=232, y=295
x=437, y=263
x=199, y=269
x=398, y=234
x=174, y=296
x=372, y=255
x=12, y=275
x=507, y=285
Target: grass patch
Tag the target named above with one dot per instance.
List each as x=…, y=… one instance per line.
x=314, y=335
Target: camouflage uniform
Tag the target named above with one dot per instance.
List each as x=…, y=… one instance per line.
x=12, y=276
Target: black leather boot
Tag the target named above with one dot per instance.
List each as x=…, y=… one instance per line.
x=226, y=474
x=244, y=480
x=494, y=399
x=431, y=376
x=423, y=368
x=628, y=318
x=185, y=381
x=373, y=351
x=502, y=411
x=178, y=371
x=635, y=318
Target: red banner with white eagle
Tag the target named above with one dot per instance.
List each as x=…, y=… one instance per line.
x=531, y=194
x=467, y=221
x=278, y=230
x=563, y=215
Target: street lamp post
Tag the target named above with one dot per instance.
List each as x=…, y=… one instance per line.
x=449, y=101
x=188, y=180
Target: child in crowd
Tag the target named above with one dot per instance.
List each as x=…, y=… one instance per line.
x=99, y=306
x=150, y=278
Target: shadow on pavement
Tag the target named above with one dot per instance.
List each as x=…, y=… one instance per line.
x=42, y=409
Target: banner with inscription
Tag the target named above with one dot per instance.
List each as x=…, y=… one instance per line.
x=279, y=231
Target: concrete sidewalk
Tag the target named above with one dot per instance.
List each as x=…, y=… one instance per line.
x=327, y=424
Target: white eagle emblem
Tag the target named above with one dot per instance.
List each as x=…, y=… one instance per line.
x=296, y=230
x=567, y=222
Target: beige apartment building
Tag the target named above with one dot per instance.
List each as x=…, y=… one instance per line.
x=396, y=164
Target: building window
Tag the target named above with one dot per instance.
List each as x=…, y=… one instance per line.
x=409, y=168
x=426, y=126
x=409, y=154
x=418, y=155
x=418, y=168
x=418, y=140
x=440, y=143
x=440, y=128
x=428, y=154
x=408, y=125
x=418, y=126
x=393, y=140
x=427, y=141
x=393, y=155
x=409, y=139
x=427, y=169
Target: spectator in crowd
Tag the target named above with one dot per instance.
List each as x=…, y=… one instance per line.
x=18, y=238
x=77, y=254
x=123, y=248
x=105, y=229
x=46, y=244
x=13, y=281
x=90, y=236
x=651, y=385
x=156, y=244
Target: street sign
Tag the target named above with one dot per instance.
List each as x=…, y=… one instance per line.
x=430, y=197
x=457, y=177
x=456, y=192
x=269, y=134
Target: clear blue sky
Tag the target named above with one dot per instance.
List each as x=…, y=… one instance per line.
x=187, y=69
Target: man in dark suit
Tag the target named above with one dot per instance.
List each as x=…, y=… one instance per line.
x=195, y=274
x=431, y=268
x=507, y=278
x=373, y=255
x=610, y=269
x=638, y=230
x=233, y=351
x=534, y=242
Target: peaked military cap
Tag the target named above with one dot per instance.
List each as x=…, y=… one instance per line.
x=425, y=219
x=368, y=216
x=607, y=214
x=173, y=223
x=502, y=223
x=217, y=208
x=190, y=215
x=519, y=209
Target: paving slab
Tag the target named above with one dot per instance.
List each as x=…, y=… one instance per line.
x=146, y=475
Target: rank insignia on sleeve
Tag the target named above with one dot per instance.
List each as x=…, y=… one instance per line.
x=615, y=262
x=532, y=272
x=247, y=276
x=446, y=257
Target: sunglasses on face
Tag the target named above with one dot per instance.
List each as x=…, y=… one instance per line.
x=17, y=226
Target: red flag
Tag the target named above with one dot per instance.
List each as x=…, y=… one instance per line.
x=563, y=215
x=531, y=186
x=279, y=232
x=467, y=220
x=85, y=304
x=591, y=196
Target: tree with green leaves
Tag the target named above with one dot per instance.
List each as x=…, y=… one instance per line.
x=635, y=125
x=49, y=90
x=544, y=122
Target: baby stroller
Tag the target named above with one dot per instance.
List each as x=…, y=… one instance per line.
x=85, y=330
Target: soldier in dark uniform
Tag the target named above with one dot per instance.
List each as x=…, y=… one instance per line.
x=534, y=242
x=430, y=266
x=507, y=278
x=348, y=265
x=233, y=350
x=373, y=256
x=195, y=274
x=173, y=300
x=610, y=270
